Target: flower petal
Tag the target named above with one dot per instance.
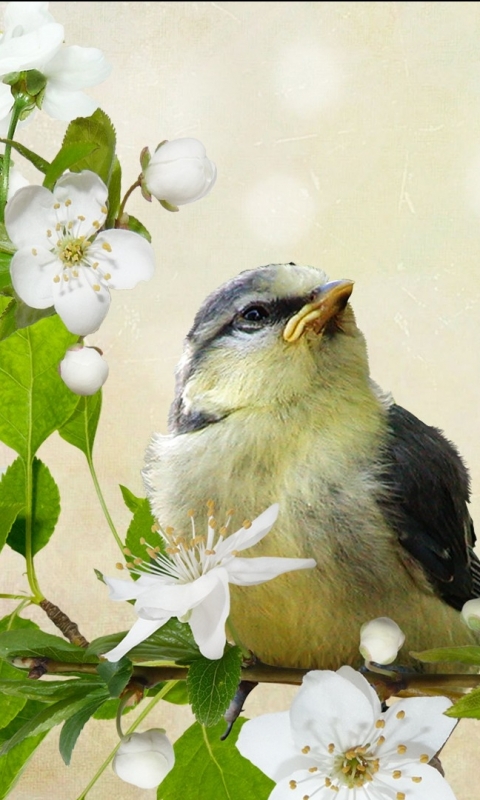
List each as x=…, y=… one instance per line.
x=123, y=590
x=419, y=723
x=363, y=685
x=140, y=631
x=86, y=195
x=176, y=598
x=31, y=49
x=125, y=255
x=247, y=537
x=250, y=571
x=267, y=742
x=29, y=215
x=81, y=307
x=208, y=618
x=330, y=709
x=28, y=16
x=64, y=105
x=74, y=68
x=431, y=784
x=32, y=276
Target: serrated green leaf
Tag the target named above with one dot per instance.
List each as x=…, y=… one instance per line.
x=131, y=501
x=40, y=163
x=467, y=707
x=13, y=763
x=219, y=769
x=73, y=726
x=178, y=694
x=114, y=193
x=134, y=224
x=8, y=514
x=16, y=315
x=67, y=158
x=34, y=401
x=10, y=705
x=173, y=642
x=50, y=716
x=81, y=428
x=5, y=278
x=45, y=504
x=212, y=684
x=96, y=129
x=115, y=675
x=142, y=528
x=464, y=654
x=38, y=644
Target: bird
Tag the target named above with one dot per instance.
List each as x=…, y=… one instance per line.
x=274, y=403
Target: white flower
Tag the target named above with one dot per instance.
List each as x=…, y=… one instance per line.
x=179, y=172
x=335, y=742
x=33, y=40
x=83, y=370
x=16, y=181
x=62, y=260
x=192, y=583
x=144, y=759
x=380, y=640
x=471, y=613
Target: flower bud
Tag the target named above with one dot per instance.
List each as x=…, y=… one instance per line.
x=179, y=172
x=471, y=613
x=144, y=759
x=83, y=370
x=380, y=640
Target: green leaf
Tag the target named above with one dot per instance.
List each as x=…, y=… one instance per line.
x=34, y=401
x=10, y=705
x=207, y=767
x=464, y=654
x=114, y=193
x=17, y=315
x=173, y=642
x=134, y=224
x=8, y=514
x=67, y=158
x=131, y=501
x=38, y=644
x=5, y=278
x=46, y=691
x=14, y=762
x=73, y=726
x=8, y=324
x=141, y=528
x=116, y=675
x=50, y=716
x=466, y=707
x=45, y=504
x=40, y=163
x=178, y=694
x=212, y=684
x=109, y=709
x=81, y=428
x=98, y=130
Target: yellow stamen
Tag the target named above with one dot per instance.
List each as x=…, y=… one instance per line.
x=96, y=287
x=380, y=723
x=106, y=246
x=56, y=206
x=401, y=715
x=424, y=759
x=56, y=279
x=118, y=565
x=247, y=524
x=416, y=779
x=68, y=203
x=306, y=749
x=34, y=252
x=396, y=774
x=401, y=749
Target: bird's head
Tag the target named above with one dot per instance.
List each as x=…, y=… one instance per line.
x=266, y=338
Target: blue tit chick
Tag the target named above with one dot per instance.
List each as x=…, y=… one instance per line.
x=274, y=403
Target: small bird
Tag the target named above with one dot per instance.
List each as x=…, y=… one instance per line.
x=274, y=403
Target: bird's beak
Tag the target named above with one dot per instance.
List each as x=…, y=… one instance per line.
x=327, y=302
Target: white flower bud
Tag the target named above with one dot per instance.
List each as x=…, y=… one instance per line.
x=471, y=613
x=179, y=172
x=380, y=640
x=144, y=759
x=83, y=370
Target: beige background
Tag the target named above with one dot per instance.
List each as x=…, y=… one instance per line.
x=347, y=136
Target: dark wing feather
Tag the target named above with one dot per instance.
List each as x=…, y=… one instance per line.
x=426, y=503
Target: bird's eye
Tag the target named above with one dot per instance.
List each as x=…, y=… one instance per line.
x=255, y=313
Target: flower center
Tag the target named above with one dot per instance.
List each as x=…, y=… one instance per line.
x=356, y=766
x=71, y=251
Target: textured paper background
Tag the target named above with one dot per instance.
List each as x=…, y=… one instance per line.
x=347, y=136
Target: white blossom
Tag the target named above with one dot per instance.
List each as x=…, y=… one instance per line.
x=380, y=640
x=471, y=613
x=83, y=370
x=179, y=172
x=191, y=582
x=335, y=742
x=64, y=259
x=144, y=759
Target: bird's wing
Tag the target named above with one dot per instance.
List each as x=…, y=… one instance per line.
x=426, y=503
